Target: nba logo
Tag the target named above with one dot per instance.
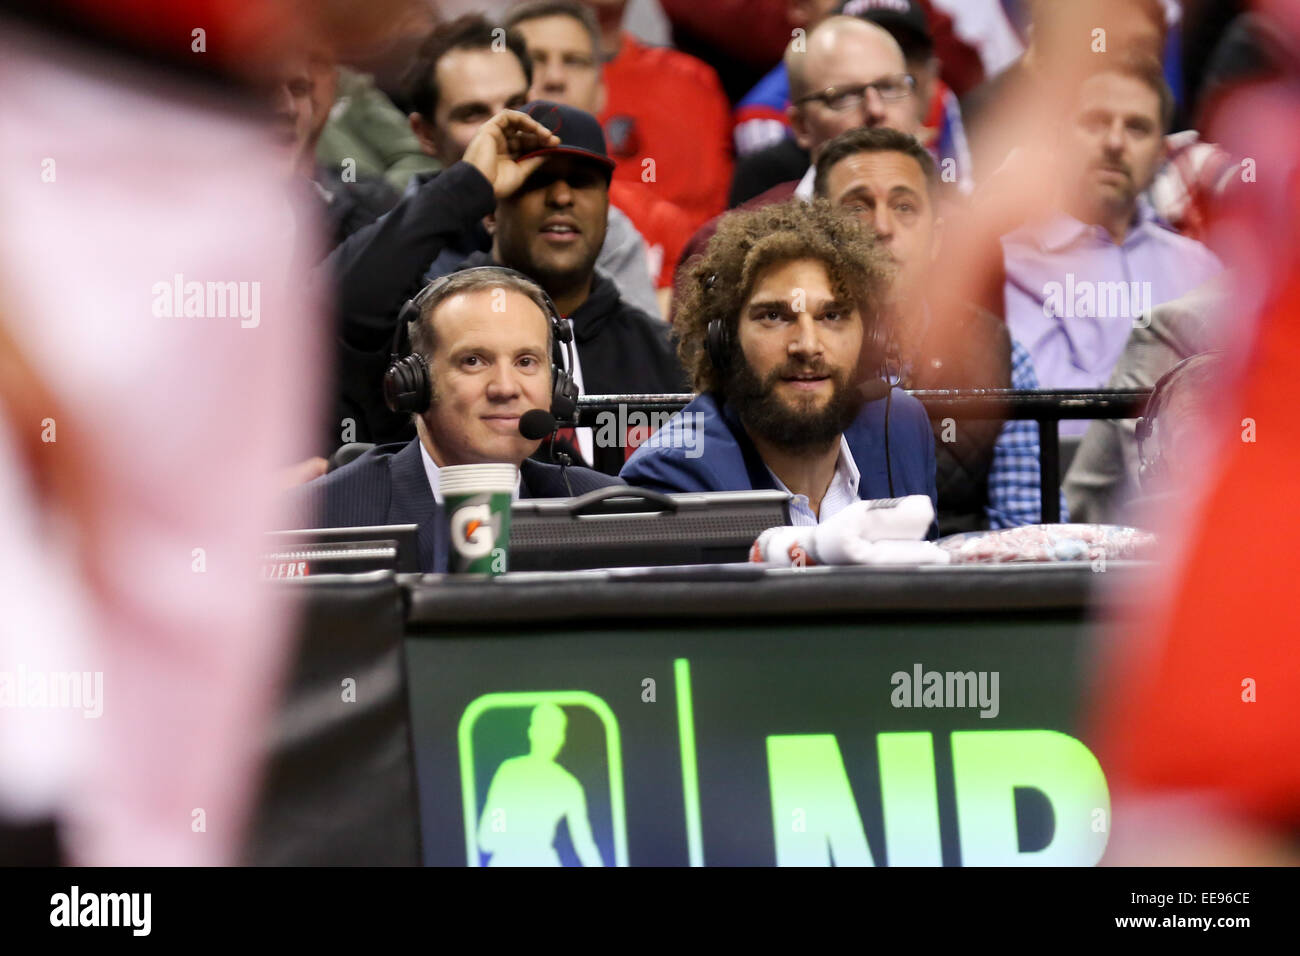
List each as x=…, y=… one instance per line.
x=542, y=781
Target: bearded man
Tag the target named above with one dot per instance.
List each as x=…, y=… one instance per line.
x=782, y=330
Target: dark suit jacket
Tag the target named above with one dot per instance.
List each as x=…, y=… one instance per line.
x=704, y=447
x=388, y=485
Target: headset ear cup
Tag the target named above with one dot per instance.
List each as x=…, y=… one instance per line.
x=564, y=394
x=718, y=343
x=564, y=398
x=407, y=385
x=1149, y=467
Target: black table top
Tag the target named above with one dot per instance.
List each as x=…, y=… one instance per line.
x=747, y=591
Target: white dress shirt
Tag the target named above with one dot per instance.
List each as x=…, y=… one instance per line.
x=431, y=471
x=842, y=491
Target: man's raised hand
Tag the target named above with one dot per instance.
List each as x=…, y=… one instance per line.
x=496, y=147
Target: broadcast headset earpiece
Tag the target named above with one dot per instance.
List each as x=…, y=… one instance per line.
x=408, y=385
x=875, y=354
x=1151, y=468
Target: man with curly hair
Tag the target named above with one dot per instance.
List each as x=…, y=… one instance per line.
x=781, y=329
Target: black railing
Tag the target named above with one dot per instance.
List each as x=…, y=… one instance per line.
x=1047, y=407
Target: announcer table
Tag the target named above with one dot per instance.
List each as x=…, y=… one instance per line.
x=726, y=715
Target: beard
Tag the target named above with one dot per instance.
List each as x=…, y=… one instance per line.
x=795, y=426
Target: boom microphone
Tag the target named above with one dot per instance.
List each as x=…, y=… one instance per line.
x=536, y=424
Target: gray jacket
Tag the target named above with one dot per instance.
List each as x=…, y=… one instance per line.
x=1104, y=475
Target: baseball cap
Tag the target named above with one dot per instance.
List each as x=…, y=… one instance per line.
x=904, y=19
x=579, y=132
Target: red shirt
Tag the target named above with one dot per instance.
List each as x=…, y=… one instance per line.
x=667, y=124
x=664, y=226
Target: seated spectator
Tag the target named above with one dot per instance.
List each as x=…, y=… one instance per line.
x=1104, y=475
x=364, y=126
x=564, y=44
x=547, y=197
x=351, y=197
x=781, y=328
x=666, y=119
x=459, y=80
x=852, y=75
x=763, y=117
x=1077, y=282
x=483, y=376
x=1057, y=36
x=987, y=470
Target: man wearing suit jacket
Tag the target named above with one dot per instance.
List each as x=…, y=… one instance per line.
x=789, y=374
x=487, y=339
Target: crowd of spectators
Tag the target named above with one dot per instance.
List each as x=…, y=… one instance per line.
x=669, y=126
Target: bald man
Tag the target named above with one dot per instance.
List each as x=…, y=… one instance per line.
x=847, y=73
x=852, y=75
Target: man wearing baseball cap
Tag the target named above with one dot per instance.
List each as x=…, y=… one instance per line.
x=539, y=178
x=551, y=229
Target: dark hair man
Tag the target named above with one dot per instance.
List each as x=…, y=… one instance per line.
x=486, y=337
x=795, y=293
x=460, y=79
x=1079, y=282
x=986, y=470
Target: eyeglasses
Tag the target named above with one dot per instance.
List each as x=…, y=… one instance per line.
x=840, y=99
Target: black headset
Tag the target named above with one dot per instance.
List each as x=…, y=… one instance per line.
x=1152, y=468
x=408, y=385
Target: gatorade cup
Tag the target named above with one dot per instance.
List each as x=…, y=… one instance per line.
x=477, y=501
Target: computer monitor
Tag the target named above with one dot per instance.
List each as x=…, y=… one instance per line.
x=301, y=553
x=634, y=527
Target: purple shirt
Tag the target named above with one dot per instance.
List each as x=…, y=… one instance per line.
x=1073, y=295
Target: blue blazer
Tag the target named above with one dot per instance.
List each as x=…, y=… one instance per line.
x=388, y=485
x=726, y=460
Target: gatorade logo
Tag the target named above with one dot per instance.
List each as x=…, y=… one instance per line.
x=474, y=529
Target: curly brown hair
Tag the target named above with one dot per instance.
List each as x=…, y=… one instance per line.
x=747, y=243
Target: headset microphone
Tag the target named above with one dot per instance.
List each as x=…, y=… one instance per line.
x=537, y=424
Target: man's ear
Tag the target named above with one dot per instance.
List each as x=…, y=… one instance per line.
x=423, y=131
x=490, y=223
x=602, y=96
x=795, y=115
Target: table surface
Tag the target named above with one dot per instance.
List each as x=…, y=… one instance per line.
x=746, y=590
